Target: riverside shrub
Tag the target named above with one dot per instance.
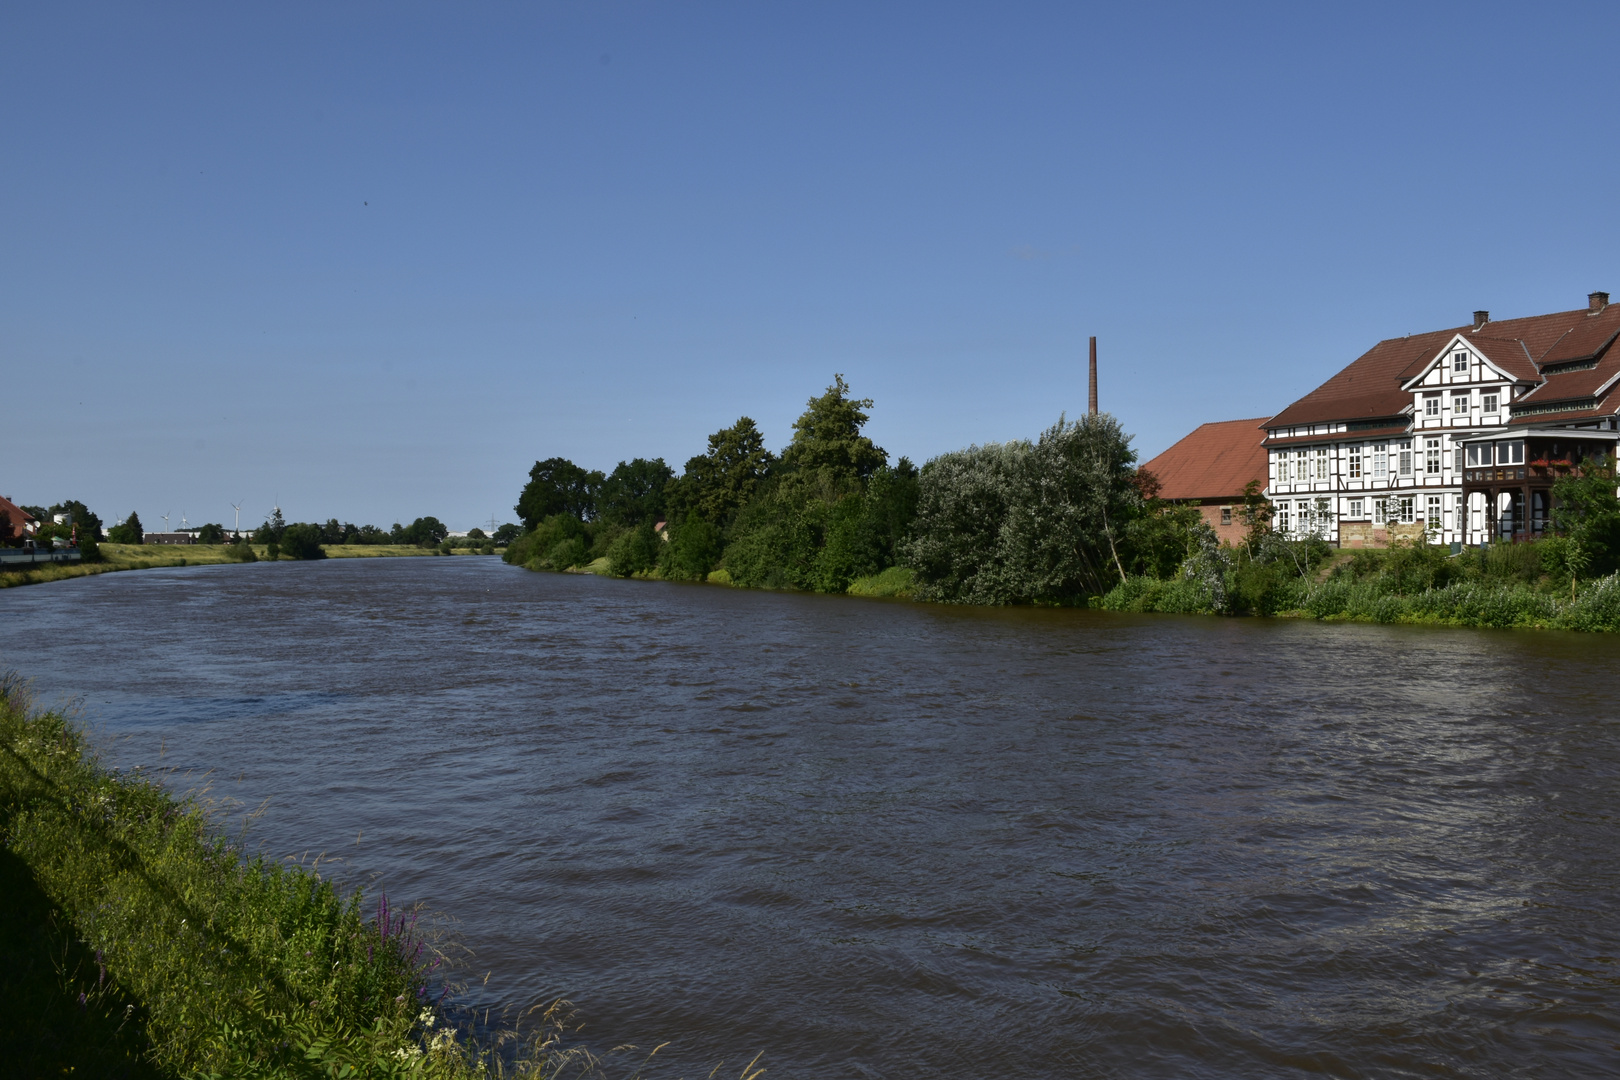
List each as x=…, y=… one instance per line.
x=1022, y=522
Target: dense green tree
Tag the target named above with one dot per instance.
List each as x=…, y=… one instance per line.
x=1028, y=523
x=833, y=512
x=211, y=534
x=270, y=532
x=828, y=450
x=539, y=548
x=1163, y=535
x=693, y=551
x=633, y=492
x=719, y=483
x=88, y=524
x=475, y=533
x=558, y=486
x=424, y=532
x=634, y=552
x=507, y=533
x=302, y=540
x=128, y=531
x=1586, y=512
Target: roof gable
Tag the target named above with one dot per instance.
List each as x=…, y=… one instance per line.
x=1216, y=461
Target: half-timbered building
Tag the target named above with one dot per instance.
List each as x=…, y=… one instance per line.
x=1457, y=435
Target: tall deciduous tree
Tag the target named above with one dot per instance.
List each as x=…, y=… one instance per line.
x=828, y=448
x=634, y=492
x=558, y=486
x=128, y=531
x=720, y=482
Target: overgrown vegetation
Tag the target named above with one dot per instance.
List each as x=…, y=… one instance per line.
x=1570, y=580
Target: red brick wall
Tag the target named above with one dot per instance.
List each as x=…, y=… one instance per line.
x=1231, y=533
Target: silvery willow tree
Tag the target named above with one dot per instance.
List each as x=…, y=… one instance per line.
x=1021, y=522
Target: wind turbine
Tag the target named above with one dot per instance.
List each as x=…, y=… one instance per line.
x=165, y=522
x=238, y=508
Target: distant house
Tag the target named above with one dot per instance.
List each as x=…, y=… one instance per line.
x=1210, y=469
x=15, y=522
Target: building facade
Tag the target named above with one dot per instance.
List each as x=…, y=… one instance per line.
x=1210, y=469
x=1393, y=446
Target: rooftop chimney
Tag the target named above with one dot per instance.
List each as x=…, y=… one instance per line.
x=1481, y=318
x=1091, y=403
x=1597, y=301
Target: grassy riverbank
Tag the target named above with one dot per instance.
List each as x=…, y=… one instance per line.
x=137, y=942
x=1502, y=586
x=116, y=557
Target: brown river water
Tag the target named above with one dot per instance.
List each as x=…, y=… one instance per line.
x=876, y=839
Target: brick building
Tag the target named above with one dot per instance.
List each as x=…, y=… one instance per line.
x=1210, y=468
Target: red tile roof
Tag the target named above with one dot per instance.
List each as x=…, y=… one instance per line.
x=1508, y=354
x=1370, y=387
x=1214, y=462
x=15, y=518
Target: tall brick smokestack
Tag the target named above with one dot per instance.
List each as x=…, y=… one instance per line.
x=1091, y=401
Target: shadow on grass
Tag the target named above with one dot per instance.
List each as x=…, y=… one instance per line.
x=60, y=1015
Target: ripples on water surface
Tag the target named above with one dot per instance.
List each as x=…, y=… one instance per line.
x=878, y=839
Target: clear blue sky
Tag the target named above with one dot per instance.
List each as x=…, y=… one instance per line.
x=375, y=259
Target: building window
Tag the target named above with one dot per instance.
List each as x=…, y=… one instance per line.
x=1356, y=508
x=1431, y=457
x=1380, y=461
x=1487, y=403
x=1407, y=508
x=1226, y=515
x=1459, y=462
x=1462, y=513
x=1459, y=361
x=1282, y=517
x=1322, y=463
x=1473, y=455
x=1510, y=453
x=1459, y=408
x=1380, y=511
x=1353, y=463
x=1405, y=459
x=1300, y=473
x=1431, y=405
x=1431, y=513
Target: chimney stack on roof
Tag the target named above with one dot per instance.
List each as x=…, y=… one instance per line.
x=1597, y=301
x=1481, y=318
x=1091, y=401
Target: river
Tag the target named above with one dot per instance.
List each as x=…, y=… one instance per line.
x=876, y=839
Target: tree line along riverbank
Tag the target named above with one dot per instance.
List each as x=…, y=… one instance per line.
x=139, y=942
x=1064, y=519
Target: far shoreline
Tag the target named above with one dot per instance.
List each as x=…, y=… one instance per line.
x=118, y=557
